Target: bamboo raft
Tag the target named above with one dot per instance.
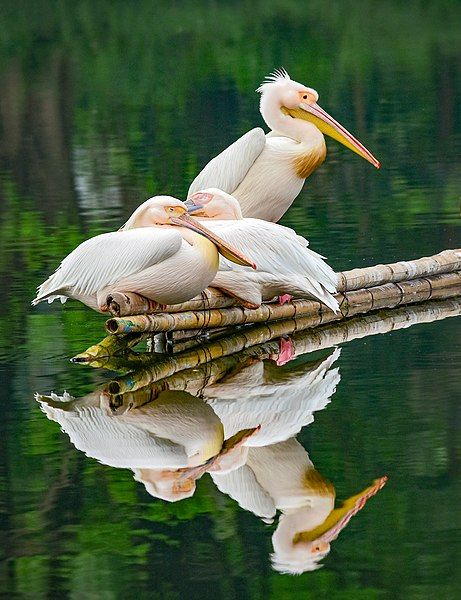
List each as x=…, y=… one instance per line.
x=263, y=343
x=256, y=342
x=359, y=291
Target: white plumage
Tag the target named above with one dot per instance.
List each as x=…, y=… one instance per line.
x=108, y=259
x=280, y=406
x=227, y=170
x=152, y=256
x=285, y=264
x=259, y=170
x=266, y=172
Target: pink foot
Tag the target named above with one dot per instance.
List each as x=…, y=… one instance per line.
x=285, y=298
x=286, y=352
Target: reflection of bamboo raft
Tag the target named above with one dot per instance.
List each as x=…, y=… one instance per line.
x=262, y=341
x=109, y=346
x=124, y=397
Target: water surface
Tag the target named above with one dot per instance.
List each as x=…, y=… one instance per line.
x=104, y=105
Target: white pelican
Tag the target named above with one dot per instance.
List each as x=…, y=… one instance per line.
x=266, y=172
x=167, y=256
x=285, y=265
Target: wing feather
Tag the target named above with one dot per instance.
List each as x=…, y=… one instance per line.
x=107, y=258
x=242, y=486
x=227, y=170
x=275, y=249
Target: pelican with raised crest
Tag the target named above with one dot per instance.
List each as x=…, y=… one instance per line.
x=267, y=172
x=162, y=254
x=285, y=264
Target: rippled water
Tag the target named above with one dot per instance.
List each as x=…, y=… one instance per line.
x=100, y=107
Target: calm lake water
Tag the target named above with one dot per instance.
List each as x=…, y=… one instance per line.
x=105, y=104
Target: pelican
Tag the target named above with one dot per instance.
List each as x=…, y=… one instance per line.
x=286, y=266
x=266, y=172
x=166, y=256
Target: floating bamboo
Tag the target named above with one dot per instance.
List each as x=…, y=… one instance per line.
x=388, y=295
x=110, y=346
x=445, y=262
x=261, y=341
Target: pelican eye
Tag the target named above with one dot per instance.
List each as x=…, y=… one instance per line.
x=171, y=209
x=304, y=96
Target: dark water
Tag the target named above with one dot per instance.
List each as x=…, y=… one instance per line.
x=104, y=104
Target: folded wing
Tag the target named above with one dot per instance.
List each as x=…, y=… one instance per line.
x=275, y=249
x=227, y=170
x=107, y=258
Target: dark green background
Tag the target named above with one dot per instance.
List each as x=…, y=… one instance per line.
x=103, y=104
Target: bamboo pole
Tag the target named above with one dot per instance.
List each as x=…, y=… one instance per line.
x=363, y=300
x=446, y=261
x=121, y=304
x=262, y=341
x=382, y=322
x=127, y=304
x=110, y=346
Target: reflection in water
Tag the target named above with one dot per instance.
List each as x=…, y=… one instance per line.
x=106, y=103
x=174, y=432
x=279, y=403
x=282, y=477
x=239, y=427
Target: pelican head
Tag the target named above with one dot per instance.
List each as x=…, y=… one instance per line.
x=297, y=558
x=213, y=203
x=164, y=484
x=166, y=210
x=158, y=210
x=283, y=97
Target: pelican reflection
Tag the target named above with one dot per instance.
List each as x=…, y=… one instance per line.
x=282, y=478
x=160, y=441
x=280, y=402
x=236, y=420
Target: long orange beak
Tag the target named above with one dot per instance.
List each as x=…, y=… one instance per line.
x=329, y=126
x=228, y=251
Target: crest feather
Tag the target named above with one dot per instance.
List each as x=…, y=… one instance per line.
x=274, y=77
